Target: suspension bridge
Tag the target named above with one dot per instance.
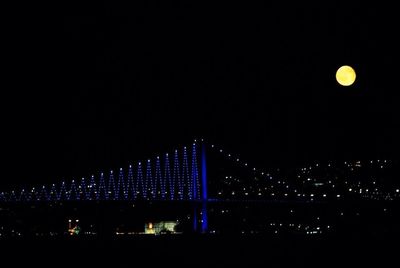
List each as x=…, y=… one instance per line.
x=177, y=176
x=183, y=175
x=180, y=176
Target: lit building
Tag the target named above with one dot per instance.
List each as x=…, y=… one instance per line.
x=160, y=227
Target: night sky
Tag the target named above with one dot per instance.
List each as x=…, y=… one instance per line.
x=87, y=93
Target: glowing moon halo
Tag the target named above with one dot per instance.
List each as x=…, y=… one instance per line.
x=345, y=75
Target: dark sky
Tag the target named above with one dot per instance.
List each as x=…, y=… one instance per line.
x=84, y=93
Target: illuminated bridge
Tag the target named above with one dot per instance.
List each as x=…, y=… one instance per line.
x=205, y=176
x=177, y=176
x=206, y=172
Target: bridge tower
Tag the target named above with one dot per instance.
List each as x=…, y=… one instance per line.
x=204, y=194
x=204, y=216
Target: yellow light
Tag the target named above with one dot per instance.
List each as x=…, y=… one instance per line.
x=345, y=75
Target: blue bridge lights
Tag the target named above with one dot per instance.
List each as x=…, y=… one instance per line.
x=180, y=175
x=155, y=179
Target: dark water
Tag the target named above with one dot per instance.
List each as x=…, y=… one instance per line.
x=367, y=235
x=204, y=251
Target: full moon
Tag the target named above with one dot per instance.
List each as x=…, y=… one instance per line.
x=345, y=75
